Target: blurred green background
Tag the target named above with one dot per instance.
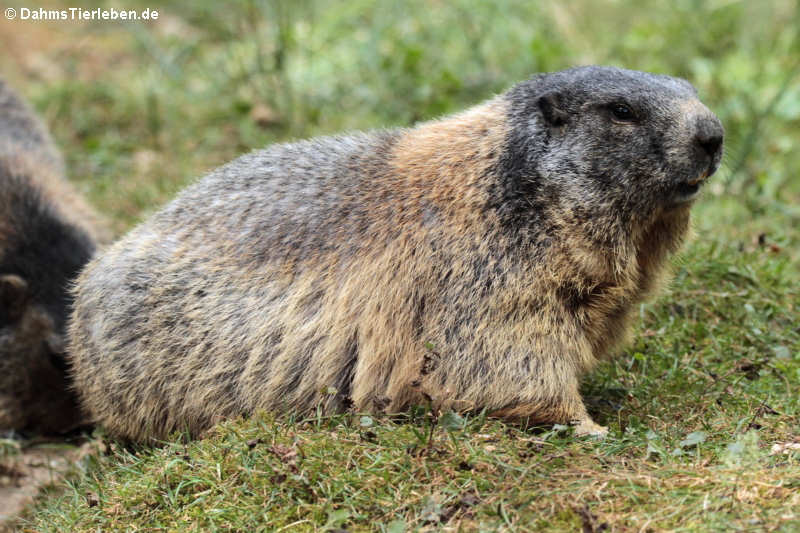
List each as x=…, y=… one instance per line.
x=142, y=107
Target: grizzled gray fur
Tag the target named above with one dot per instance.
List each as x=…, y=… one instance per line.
x=486, y=260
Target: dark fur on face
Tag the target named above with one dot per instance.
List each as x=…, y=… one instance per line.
x=483, y=261
x=40, y=247
x=568, y=145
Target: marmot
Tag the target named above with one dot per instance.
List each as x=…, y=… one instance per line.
x=47, y=234
x=482, y=261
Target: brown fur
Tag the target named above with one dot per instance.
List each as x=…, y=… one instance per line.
x=60, y=195
x=47, y=232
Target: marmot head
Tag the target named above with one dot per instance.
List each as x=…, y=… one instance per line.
x=604, y=140
x=34, y=393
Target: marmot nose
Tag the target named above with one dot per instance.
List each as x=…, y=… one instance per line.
x=709, y=135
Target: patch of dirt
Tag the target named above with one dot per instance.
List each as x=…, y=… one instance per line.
x=24, y=474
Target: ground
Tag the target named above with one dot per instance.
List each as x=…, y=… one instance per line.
x=28, y=466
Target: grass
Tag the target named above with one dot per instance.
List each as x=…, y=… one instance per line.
x=695, y=407
x=700, y=407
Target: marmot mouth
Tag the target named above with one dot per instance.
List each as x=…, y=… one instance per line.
x=698, y=180
x=687, y=190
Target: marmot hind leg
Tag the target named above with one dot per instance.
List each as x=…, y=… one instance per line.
x=566, y=407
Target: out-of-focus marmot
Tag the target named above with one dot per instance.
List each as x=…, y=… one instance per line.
x=47, y=234
x=486, y=260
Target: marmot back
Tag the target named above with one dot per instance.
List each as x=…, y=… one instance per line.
x=514, y=239
x=47, y=234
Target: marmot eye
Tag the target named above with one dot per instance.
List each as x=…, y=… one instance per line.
x=622, y=112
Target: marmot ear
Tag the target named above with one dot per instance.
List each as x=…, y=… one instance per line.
x=13, y=297
x=551, y=109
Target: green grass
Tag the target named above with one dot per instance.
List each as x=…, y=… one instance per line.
x=695, y=405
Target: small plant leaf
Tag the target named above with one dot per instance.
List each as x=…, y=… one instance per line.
x=743, y=450
x=337, y=518
x=452, y=421
x=693, y=439
x=652, y=450
x=431, y=510
x=396, y=526
x=781, y=352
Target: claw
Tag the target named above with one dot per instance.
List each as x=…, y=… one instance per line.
x=588, y=428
